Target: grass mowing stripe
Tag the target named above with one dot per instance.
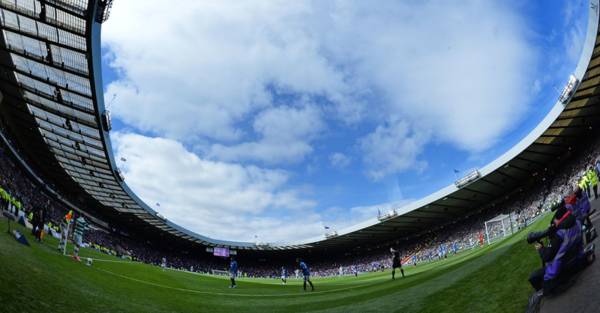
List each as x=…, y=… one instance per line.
x=233, y=294
x=38, y=278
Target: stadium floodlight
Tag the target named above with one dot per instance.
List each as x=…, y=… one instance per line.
x=119, y=175
x=569, y=90
x=331, y=234
x=262, y=244
x=161, y=216
x=106, y=121
x=103, y=12
x=386, y=216
x=468, y=179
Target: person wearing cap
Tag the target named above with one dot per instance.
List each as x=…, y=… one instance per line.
x=565, y=245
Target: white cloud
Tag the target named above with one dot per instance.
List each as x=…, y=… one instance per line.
x=197, y=68
x=339, y=160
x=460, y=75
x=217, y=199
x=459, y=72
x=393, y=147
x=225, y=200
x=575, y=31
x=285, y=135
x=571, y=10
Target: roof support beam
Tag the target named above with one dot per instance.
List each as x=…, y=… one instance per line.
x=491, y=182
x=553, y=155
x=553, y=144
x=506, y=175
x=578, y=116
x=40, y=60
x=531, y=161
x=43, y=80
x=46, y=96
x=17, y=31
x=91, y=145
x=52, y=110
x=520, y=168
x=36, y=18
x=479, y=192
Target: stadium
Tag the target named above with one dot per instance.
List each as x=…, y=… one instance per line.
x=463, y=248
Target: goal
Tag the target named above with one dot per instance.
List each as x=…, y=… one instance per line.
x=498, y=228
x=220, y=272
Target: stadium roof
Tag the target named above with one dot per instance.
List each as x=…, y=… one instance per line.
x=53, y=107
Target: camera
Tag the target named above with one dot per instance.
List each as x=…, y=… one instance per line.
x=537, y=236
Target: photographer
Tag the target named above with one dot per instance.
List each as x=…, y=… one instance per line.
x=563, y=254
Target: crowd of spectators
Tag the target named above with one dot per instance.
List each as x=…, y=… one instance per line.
x=523, y=206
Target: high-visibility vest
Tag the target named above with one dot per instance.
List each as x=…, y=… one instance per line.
x=592, y=177
x=583, y=182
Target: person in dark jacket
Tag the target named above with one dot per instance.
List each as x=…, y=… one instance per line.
x=41, y=220
x=37, y=221
x=396, y=262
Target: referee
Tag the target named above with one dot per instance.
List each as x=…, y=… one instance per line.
x=396, y=263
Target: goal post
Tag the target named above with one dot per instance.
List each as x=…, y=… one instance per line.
x=219, y=272
x=499, y=227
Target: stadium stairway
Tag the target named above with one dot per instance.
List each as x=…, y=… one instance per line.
x=582, y=295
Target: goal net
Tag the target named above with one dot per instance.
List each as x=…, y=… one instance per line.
x=498, y=228
x=220, y=272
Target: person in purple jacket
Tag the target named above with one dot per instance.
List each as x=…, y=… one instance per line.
x=582, y=207
x=564, y=253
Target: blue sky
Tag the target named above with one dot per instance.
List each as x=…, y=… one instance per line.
x=274, y=119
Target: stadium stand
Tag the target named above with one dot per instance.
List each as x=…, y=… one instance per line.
x=525, y=204
x=56, y=156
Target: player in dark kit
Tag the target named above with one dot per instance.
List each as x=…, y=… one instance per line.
x=233, y=269
x=283, y=275
x=396, y=262
x=305, y=273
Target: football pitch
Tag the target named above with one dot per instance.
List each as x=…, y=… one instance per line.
x=38, y=279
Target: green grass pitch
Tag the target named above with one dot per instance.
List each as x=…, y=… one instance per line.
x=38, y=279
